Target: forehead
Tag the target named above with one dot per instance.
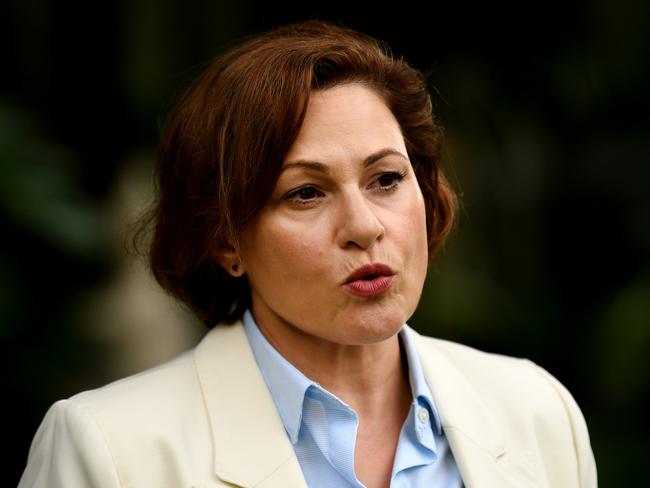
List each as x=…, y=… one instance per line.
x=346, y=121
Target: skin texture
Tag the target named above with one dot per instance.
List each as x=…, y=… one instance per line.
x=330, y=213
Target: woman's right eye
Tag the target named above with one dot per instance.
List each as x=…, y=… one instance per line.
x=303, y=195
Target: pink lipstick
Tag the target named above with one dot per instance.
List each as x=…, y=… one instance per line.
x=370, y=280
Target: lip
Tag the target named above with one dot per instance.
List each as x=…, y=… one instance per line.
x=370, y=280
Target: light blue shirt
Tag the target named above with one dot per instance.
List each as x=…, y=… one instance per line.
x=323, y=429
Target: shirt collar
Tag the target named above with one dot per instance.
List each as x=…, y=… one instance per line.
x=288, y=385
x=421, y=391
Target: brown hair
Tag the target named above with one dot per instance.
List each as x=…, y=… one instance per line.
x=223, y=147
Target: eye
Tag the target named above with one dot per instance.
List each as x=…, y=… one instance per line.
x=306, y=193
x=303, y=195
x=389, y=181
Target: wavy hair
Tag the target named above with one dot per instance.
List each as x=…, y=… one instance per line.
x=223, y=146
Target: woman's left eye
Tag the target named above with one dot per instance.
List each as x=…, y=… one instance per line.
x=389, y=181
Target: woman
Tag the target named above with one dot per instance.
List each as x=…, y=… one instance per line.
x=301, y=200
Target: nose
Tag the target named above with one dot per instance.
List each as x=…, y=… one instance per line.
x=359, y=225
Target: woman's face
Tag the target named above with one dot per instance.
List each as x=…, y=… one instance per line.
x=347, y=198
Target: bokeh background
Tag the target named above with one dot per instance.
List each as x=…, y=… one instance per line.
x=545, y=107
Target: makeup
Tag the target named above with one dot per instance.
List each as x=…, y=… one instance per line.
x=370, y=280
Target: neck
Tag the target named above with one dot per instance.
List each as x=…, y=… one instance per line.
x=370, y=378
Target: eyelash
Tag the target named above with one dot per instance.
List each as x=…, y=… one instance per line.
x=293, y=196
x=396, y=179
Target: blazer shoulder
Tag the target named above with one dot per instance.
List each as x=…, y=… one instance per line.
x=166, y=384
x=69, y=450
x=487, y=368
x=528, y=402
x=500, y=379
x=152, y=387
x=124, y=431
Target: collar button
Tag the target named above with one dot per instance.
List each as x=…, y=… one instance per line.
x=423, y=415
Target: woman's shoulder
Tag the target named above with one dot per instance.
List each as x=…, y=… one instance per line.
x=173, y=378
x=485, y=367
x=168, y=393
x=510, y=387
x=530, y=408
x=98, y=437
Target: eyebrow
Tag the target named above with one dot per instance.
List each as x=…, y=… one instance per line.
x=321, y=167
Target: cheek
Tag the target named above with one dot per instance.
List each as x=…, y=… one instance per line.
x=417, y=244
x=282, y=254
x=417, y=225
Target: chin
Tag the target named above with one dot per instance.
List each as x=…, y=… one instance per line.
x=374, y=326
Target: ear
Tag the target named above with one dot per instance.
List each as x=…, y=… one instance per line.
x=228, y=258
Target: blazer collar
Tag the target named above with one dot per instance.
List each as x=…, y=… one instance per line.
x=476, y=439
x=251, y=447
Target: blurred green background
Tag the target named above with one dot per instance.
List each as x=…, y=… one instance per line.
x=545, y=108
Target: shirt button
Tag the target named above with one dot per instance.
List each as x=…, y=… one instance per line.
x=423, y=415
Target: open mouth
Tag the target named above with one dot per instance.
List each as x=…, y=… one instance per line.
x=370, y=280
x=369, y=272
x=369, y=277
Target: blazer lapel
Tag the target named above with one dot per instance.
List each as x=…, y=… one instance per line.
x=251, y=447
x=475, y=438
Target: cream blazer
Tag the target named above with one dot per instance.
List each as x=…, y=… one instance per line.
x=207, y=419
